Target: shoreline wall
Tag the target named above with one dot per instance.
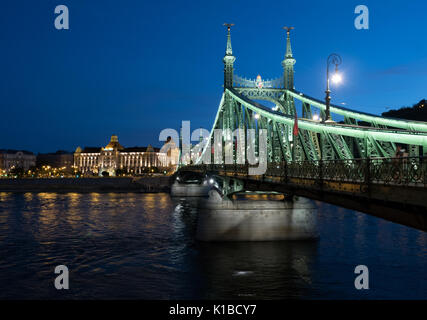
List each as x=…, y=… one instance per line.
x=113, y=184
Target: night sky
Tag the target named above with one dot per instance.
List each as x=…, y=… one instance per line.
x=133, y=68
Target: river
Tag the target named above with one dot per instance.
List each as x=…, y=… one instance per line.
x=143, y=246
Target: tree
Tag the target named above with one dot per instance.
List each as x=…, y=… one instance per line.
x=155, y=170
x=105, y=174
x=121, y=171
x=417, y=112
x=17, y=172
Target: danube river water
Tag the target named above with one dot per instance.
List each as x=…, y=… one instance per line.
x=142, y=246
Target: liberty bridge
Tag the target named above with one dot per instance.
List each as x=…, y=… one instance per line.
x=351, y=163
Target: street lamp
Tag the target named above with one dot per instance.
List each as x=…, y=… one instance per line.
x=336, y=78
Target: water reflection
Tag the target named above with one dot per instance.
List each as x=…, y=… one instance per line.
x=142, y=246
x=243, y=270
x=267, y=270
x=4, y=196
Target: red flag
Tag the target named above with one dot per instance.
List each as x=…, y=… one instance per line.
x=296, y=125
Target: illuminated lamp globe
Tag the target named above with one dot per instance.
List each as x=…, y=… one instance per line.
x=336, y=78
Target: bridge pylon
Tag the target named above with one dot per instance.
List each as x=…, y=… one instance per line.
x=288, y=62
x=314, y=141
x=356, y=156
x=228, y=59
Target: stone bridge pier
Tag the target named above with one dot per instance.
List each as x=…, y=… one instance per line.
x=226, y=212
x=255, y=216
x=189, y=184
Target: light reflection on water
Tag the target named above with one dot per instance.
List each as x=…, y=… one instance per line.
x=142, y=246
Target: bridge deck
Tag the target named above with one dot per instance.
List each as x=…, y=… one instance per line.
x=393, y=189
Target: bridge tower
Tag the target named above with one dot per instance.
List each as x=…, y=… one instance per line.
x=228, y=60
x=288, y=62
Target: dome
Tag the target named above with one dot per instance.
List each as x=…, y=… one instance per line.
x=114, y=143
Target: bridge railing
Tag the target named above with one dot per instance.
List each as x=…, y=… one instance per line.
x=404, y=171
x=397, y=171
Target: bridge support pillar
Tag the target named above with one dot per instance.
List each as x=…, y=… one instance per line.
x=222, y=219
x=189, y=189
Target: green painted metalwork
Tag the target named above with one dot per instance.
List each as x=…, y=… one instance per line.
x=373, y=119
x=288, y=63
x=228, y=61
x=316, y=140
x=390, y=135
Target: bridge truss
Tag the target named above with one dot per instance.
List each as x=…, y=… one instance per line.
x=352, y=163
x=358, y=135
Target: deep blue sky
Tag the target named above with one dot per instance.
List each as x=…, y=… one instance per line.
x=134, y=67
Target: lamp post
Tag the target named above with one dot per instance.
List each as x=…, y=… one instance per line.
x=336, y=78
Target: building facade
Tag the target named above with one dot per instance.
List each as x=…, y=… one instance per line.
x=59, y=159
x=134, y=160
x=10, y=159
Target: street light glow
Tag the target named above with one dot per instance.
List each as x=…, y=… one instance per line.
x=335, y=59
x=336, y=78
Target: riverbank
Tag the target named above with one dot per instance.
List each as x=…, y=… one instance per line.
x=112, y=184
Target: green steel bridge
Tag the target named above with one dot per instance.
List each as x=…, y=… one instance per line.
x=351, y=163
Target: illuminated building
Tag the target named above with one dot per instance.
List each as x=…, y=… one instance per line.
x=133, y=160
x=10, y=159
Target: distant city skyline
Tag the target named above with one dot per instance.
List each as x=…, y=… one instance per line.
x=133, y=68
